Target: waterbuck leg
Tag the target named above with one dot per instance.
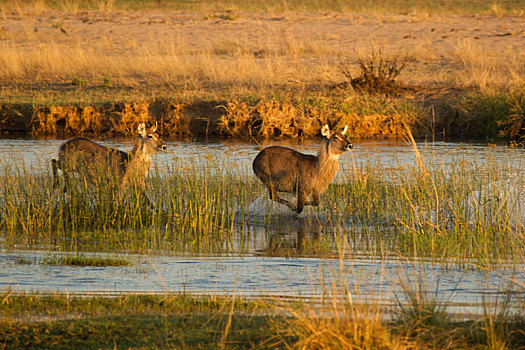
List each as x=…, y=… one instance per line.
x=301, y=201
x=54, y=165
x=274, y=197
x=315, y=201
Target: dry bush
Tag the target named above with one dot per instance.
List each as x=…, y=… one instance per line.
x=267, y=119
x=76, y=120
x=237, y=119
x=271, y=119
x=377, y=124
x=377, y=73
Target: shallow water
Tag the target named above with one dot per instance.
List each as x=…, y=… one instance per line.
x=257, y=272
x=368, y=279
x=35, y=154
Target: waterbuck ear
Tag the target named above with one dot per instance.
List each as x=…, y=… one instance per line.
x=325, y=131
x=344, y=130
x=142, y=129
x=154, y=128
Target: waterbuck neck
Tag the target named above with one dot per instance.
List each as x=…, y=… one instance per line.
x=327, y=165
x=140, y=153
x=325, y=157
x=140, y=160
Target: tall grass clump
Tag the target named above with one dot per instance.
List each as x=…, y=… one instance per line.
x=192, y=209
x=465, y=211
x=378, y=73
x=492, y=115
x=336, y=321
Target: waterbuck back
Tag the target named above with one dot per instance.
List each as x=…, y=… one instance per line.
x=306, y=176
x=93, y=161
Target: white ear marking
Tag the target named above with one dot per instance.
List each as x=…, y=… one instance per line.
x=325, y=131
x=153, y=129
x=345, y=130
x=142, y=129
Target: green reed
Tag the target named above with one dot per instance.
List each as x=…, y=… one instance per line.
x=191, y=210
x=463, y=212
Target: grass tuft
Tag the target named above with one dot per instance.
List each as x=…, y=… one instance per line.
x=83, y=260
x=492, y=115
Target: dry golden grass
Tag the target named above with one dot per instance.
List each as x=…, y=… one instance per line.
x=263, y=51
x=285, y=67
x=485, y=69
x=169, y=63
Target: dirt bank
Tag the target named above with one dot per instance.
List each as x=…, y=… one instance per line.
x=264, y=119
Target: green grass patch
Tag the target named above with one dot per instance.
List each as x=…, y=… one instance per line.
x=188, y=331
x=84, y=260
x=59, y=306
x=182, y=321
x=492, y=115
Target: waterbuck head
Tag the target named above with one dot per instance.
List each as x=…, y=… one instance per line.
x=337, y=142
x=150, y=142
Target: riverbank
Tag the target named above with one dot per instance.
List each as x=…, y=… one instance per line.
x=194, y=322
x=474, y=116
x=261, y=73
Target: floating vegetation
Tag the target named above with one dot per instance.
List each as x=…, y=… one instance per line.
x=84, y=260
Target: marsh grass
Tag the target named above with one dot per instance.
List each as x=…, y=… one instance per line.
x=181, y=320
x=420, y=320
x=464, y=213
x=84, y=260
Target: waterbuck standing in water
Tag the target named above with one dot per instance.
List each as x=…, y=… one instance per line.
x=94, y=162
x=283, y=169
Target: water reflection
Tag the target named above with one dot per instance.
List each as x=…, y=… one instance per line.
x=296, y=237
x=35, y=154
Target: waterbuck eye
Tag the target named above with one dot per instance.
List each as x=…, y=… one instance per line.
x=150, y=136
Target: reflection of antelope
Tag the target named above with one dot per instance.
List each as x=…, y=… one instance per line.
x=93, y=161
x=282, y=169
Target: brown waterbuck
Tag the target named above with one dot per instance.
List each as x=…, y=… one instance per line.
x=93, y=161
x=306, y=176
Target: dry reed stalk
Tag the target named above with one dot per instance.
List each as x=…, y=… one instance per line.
x=409, y=138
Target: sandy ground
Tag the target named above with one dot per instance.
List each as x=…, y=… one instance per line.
x=435, y=36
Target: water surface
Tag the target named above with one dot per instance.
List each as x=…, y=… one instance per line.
x=257, y=271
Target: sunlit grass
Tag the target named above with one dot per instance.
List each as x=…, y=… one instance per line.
x=260, y=66
x=180, y=320
x=463, y=212
x=226, y=9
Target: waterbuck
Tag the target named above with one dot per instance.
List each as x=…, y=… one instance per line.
x=306, y=176
x=93, y=161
